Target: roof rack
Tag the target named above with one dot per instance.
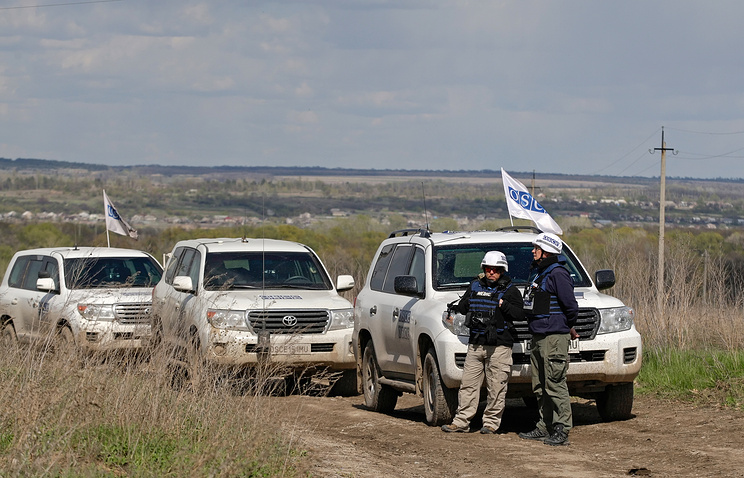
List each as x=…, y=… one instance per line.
x=519, y=229
x=410, y=232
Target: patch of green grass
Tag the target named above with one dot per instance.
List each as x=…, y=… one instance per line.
x=709, y=376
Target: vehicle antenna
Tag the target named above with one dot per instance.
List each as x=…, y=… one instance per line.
x=426, y=213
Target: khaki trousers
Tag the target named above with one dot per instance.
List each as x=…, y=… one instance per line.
x=549, y=360
x=495, y=363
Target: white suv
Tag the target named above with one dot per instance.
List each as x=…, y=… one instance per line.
x=239, y=301
x=96, y=298
x=405, y=339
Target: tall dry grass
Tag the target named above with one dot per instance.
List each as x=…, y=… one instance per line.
x=700, y=307
x=65, y=414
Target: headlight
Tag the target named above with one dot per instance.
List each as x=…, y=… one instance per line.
x=342, y=319
x=455, y=323
x=615, y=320
x=96, y=311
x=225, y=319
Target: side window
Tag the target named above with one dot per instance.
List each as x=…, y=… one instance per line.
x=194, y=268
x=52, y=269
x=399, y=266
x=35, y=265
x=184, y=265
x=418, y=269
x=172, y=264
x=16, y=275
x=378, y=273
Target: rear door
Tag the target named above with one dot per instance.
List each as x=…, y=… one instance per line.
x=26, y=304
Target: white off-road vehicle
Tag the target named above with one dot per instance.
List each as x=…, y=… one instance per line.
x=95, y=298
x=405, y=340
x=238, y=303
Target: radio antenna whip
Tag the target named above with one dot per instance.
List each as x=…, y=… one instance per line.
x=426, y=212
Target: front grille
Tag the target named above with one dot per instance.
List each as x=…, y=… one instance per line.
x=586, y=326
x=587, y=356
x=305, y=321
x=133, y=313
x=314, y=348
x=629, y=355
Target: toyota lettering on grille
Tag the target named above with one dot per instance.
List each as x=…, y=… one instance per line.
x=289, y=320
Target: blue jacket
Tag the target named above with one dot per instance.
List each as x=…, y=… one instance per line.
x=564, y=308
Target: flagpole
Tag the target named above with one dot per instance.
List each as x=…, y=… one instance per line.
x=108, y=239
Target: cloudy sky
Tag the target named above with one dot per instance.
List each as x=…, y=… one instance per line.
x=552, y=86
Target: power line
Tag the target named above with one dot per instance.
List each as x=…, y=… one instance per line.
x=627, y=154
x=706, y=132
x=59, y=4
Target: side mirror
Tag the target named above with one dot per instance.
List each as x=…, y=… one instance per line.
x=407, y=285
x=344, y=282
x=183, y=284
x=45, y=284
x=604, y=279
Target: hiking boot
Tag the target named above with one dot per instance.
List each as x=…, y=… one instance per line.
x=559, y=437
x=535, y=434
x=453, y=429
x=488, y=431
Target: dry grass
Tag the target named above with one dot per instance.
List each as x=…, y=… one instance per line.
x=118, y=415
x=699, y=309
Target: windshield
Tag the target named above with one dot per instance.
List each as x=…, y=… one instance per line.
x=264, y=270
x=108, y=272
x=456, y=266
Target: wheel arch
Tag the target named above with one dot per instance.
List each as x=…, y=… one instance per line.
x=423, y=344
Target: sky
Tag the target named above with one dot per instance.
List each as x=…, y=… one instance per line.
x=574, y=86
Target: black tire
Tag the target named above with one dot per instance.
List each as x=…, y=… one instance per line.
x=65, y=340
x=345, y=385
x=616, y=402
x=9, y=338
x=377, y=397
x=186, y=367
x=440, y=402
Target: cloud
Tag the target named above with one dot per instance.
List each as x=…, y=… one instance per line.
x=549, y=86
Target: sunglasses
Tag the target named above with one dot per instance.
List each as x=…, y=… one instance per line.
x=492, y=269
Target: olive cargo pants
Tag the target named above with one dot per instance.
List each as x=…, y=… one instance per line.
x=549, y=360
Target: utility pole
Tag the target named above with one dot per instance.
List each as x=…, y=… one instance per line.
x=662, y=205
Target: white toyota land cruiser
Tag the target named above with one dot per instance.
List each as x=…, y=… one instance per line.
x=236, y=302
x=405, y=340
x=97, y=298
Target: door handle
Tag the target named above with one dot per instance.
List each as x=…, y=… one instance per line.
x=14, y=301
x=396, y=313
x=373, y=310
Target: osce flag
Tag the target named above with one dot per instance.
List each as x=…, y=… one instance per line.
x=523, y=206
x=114, y=222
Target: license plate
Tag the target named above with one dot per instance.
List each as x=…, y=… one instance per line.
x=290, y=349
x=525, y=346
x=573, y=344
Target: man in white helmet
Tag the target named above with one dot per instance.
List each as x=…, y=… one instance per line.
x=551, y=310
x=491, y=306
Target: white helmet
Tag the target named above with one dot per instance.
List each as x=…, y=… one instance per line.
x=495, y=259
x=549, y=243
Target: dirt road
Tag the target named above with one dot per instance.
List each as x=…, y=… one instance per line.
x=663, y=439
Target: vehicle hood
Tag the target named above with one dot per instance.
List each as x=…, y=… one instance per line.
x=586, y=297
x=275, y=299
x=111, y=296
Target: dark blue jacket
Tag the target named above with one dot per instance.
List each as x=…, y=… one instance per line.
x=560, y=286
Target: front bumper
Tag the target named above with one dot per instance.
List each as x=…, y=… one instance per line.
x=332, y=350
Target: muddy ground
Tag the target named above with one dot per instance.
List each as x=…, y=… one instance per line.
x=663, y=439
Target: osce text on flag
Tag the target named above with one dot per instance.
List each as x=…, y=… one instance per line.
x=525, y=200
